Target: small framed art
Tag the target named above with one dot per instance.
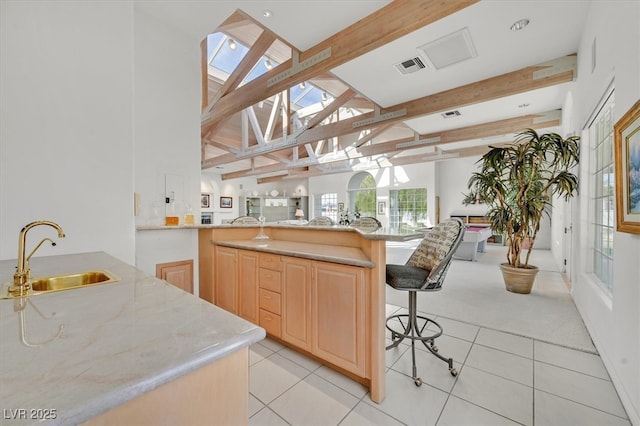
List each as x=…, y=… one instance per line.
x=226, y=202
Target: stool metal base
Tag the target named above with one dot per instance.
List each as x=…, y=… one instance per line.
x=412, y=331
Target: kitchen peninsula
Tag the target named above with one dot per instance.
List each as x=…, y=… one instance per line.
x=319, y=290
x=136, y=351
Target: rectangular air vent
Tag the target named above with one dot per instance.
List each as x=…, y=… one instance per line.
x=450, y=114
x=410, y=65
x=449, y=50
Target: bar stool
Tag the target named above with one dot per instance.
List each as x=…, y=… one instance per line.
x=425, y=272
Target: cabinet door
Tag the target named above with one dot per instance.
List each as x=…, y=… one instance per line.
x=339, y=315
x=178, y=273
x=296, y=301
x=248, y=285
x=226, y=279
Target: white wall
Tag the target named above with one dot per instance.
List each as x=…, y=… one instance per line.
x=453, y=176
x=98, y=100
x=167, y=136
x=614, y=324
x=66, y=125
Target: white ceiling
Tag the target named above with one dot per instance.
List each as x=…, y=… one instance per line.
x=554, y=31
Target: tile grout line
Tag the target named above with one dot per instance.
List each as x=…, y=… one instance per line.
x=509, y=332
x=464, y=363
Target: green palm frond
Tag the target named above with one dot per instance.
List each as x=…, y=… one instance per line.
x=517, y=181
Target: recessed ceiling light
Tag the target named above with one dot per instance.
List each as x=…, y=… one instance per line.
x=520, y=24
x=267, y=13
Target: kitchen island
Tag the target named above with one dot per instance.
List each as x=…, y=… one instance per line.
x=136, y=351
x=319, y=290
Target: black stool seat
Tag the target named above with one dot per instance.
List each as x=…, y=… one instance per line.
x=424, y=272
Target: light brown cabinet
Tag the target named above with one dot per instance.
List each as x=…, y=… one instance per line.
x=338, y=315
x=319, y=291
x=270, y=299
x=226, y=279
x=236, y=275
x=324, y=311
x=178, y=273
x=319, y=307
x=296, y=302
x=248, y=285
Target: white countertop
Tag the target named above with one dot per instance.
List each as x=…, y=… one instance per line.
x=118, y=341
x=386, y=234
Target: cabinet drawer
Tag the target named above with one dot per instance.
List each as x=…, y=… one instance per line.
x=270, y=301
x=270, y=322
x=270, y=280
x=270, y=261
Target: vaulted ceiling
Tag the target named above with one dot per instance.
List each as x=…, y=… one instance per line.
x=404, y=81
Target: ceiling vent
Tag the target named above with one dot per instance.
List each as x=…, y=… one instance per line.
x=450, y=114
x=410, y=66
x=450, y=49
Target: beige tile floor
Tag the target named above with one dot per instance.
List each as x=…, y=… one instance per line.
x=503, y=379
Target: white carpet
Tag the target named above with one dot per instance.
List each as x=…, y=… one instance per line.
x=474, y=292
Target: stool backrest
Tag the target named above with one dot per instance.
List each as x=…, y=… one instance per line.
x=366, y=224
x=436, y=250
x=321, y=221
x=245, y=220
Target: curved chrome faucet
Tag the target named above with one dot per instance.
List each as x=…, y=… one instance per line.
x=21, y=277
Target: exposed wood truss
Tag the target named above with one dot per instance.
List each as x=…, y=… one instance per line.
x=256, y=126
x=391, y=148
x=399, y=18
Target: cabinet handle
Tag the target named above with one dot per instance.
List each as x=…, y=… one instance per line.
x=268, y=318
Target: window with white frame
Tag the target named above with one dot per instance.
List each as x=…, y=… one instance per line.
x=326, y=205
x=408, y=208
x=602, y=196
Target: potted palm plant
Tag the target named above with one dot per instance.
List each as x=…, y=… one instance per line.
x=517, y=182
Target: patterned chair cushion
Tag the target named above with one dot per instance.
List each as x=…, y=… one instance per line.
x=245, y=220
x=435, y=245
x=321, y=221
x=366, y=224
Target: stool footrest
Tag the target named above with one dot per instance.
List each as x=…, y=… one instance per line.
x=412, y=331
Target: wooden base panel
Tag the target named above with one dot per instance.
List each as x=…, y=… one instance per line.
x=216, y=394
x=362, y=380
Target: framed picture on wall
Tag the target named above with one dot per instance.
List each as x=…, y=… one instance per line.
x=626, y=134
x=226, y=202
x=382, y=207
x=340, y=207
x=205, y=201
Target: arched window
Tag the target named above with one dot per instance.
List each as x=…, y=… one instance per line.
x=362, y=194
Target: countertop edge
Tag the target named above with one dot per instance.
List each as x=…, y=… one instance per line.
x=119, y=396
x=293, y=253
x=381, y=234
x=134, y=284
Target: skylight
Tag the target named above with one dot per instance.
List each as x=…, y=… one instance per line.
x=224, y=60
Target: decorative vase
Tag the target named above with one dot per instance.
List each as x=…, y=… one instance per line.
x=518, y=280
